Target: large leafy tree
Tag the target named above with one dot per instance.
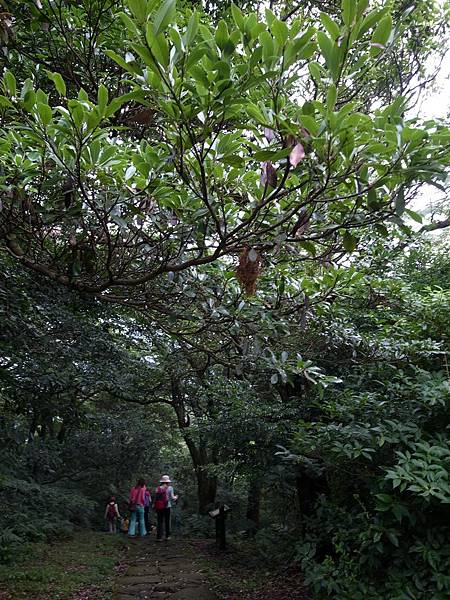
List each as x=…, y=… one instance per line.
x=258, y=142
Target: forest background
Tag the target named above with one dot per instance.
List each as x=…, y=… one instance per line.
x=211, y=267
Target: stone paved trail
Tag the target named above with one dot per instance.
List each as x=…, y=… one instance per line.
x=167, y=571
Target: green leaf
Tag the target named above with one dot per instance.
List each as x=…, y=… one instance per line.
x=230, y=46
x=199, y=74
x=59, y=83
x=372, y=199
x=348, y=11
x=309, y=123
x=315, y=70
x=385, y=498
x=102, y=98
x=191, y=30
x=139, y=9
x=146, y=55
x=76, y=268
x=164, y=16
x=158, y=45
x=77, y=112
x=361, y=7
x=306, y=51
x=393, y=538
x=83, y=95
x=29, y=100
x=381, y=35
x=254, y=111
x=309, y=247
x=414, y=215
x=400, y=202
x=325, y=45
x=176, y=40
x=27, y=86
x=221, y=36
x=349, y=241
x=270, y=16
x=238, y=17
x=371, y=20
x=307, y=36
x=45, y=113
x=272, y=155
x=233, y=160
x=41, y=96
x=329, y=52
x=120, y=61
x=133, y=30
x=5, y=102
x=331, y=26
x=267, y=45
x=10, y=83
x=280, y=31
x=331, y=97
x=382, y=229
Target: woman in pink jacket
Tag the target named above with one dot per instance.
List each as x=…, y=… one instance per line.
x=137, y=503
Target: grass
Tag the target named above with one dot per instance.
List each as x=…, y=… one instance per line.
x=82, y=567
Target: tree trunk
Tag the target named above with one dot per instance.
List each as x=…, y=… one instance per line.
x=308, y=490
x=206, y=484
x=206, y=489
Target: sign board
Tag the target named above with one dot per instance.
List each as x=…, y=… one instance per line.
x=215, y=513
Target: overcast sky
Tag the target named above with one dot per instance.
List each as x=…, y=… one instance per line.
x=435, y=104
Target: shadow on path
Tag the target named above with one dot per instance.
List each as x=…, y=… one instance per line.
x=166, y=570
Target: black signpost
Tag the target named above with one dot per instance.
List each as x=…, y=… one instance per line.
x=219, y=515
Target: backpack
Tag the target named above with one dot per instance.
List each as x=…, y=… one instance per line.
x=111, y=513
x=161, y=498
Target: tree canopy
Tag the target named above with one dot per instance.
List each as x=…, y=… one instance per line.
x=253, y=137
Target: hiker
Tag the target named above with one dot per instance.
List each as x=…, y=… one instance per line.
x=147, y=505
x=112, y=514
x=162, y=503
x=136, y=504
x=125, y=524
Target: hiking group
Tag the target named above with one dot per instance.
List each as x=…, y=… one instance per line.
x=141, y=500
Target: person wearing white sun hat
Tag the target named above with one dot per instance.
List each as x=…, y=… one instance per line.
x=164, y=499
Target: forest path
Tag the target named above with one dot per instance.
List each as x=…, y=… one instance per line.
x=166, y=570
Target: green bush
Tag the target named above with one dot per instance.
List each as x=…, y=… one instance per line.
x=275, y=545
x=8, y=540
x=33, y=512
x=368, y=558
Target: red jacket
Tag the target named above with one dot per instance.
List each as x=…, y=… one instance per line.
x=137, y=495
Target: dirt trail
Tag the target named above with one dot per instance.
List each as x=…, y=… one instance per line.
x=167, y=571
